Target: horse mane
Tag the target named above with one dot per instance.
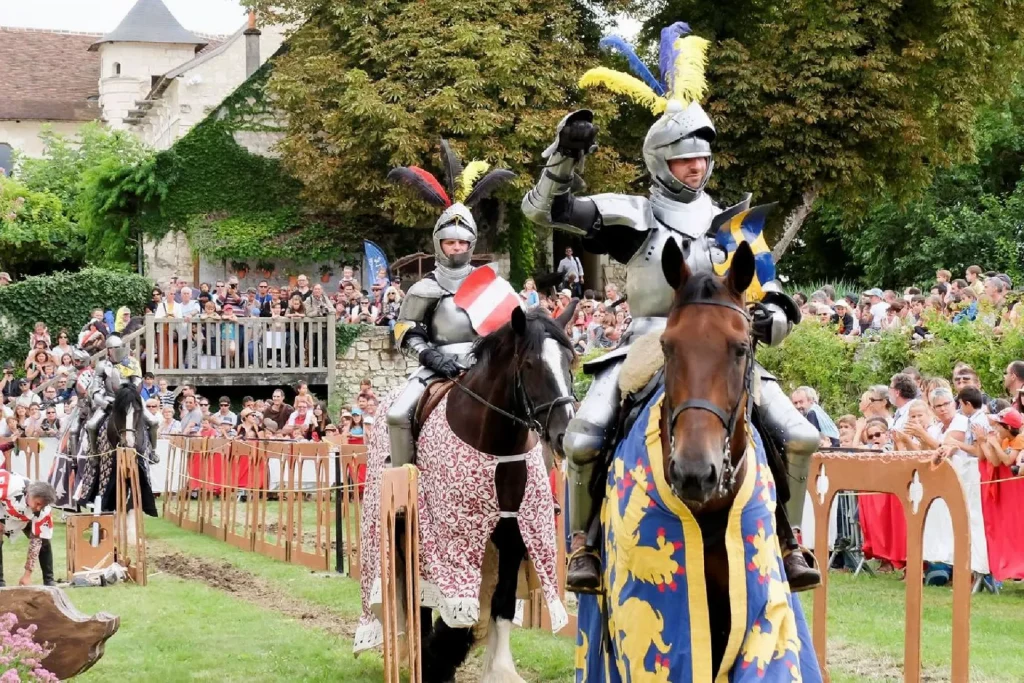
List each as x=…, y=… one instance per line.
x=126, y=397
x=502, y=343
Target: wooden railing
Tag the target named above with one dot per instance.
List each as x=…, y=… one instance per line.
x=254, y=347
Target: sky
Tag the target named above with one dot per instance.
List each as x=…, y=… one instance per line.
x=100, y=16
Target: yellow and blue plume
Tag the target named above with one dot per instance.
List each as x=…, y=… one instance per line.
x=624, y=84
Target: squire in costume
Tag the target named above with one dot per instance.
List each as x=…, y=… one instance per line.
x=633, y=230
x=431, y=326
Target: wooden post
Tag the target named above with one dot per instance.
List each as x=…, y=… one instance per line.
x=906, y=475
x=30, y=447
x=127, y=489
x=330, y=356
x=154, y=352
x=398, y=492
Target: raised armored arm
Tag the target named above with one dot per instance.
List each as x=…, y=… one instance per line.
x=551, y=202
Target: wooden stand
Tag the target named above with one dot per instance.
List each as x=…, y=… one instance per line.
x=128, y=490
x=398, y=492
x=30, y=448
x=916, y=483
x=81, y=554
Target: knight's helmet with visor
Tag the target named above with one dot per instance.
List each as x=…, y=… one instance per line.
x=116, y=350
x=683, y=129
x=464, y=188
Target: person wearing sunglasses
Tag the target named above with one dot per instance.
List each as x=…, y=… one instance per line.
x=876, y=434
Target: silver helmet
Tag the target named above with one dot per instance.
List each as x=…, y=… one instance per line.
x=456, y=223
x=80, y=357
x=681, y=133
x=116, y=350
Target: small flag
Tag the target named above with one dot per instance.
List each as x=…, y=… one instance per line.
x=374, y=259
x=747, y=226
x=487, y=299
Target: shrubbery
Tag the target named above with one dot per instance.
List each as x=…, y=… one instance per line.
x=63, y=300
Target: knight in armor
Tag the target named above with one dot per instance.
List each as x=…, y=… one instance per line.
x=111, y=372
x=83, y=380
x=633, y=230
x=430, y=327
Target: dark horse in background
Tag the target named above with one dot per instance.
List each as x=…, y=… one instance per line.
x=125, y=428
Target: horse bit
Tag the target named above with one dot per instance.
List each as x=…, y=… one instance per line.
x=727, y=474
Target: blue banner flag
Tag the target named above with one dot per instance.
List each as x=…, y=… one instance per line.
x=747, y=226
x=374, y=259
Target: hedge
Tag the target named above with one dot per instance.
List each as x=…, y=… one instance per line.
x=63, y=300
x=840, y=370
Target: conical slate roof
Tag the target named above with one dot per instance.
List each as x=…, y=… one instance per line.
x=149, y=22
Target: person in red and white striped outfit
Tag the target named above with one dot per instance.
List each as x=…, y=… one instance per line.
x=25, y=507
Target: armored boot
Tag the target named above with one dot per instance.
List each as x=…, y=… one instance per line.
x=400, y=418
x=46, y=563
x=584, y=444
x=789, y=441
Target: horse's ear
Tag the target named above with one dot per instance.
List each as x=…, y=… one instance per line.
x=519, y=321
x=673, y=265
x=567, y=315
x=741, y=270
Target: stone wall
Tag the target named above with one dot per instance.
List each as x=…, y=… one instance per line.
x=372, y=356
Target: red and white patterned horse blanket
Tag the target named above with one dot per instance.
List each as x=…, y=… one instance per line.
x=458, y=510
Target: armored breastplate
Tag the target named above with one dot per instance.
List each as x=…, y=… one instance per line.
x=112, y=379
x=649, y=293
x=449, y=324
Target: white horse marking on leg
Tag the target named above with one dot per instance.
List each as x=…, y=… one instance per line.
x=502, y=668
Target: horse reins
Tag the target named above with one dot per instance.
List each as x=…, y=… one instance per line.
x=727, y=474
x=523, y=399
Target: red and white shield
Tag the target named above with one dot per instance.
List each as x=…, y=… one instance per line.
x=487, y=299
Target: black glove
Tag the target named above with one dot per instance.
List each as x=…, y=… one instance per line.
x=577, y=137
x=761, y=324
x=439, y=362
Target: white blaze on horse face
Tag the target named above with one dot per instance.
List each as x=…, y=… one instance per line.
x=553, y=354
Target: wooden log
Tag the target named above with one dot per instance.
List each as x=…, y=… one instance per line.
x=77, y=639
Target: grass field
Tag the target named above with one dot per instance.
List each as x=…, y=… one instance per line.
x=213, y=612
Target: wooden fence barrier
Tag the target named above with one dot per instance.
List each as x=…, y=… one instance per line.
x=917, y=483
x=399, y=488
x=128, y=521
x=224, y=489
x=29, y=449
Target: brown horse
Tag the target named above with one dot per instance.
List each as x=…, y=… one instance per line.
x=708, y=397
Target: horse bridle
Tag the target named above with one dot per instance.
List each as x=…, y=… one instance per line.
x=522, y=399
x=727, y=474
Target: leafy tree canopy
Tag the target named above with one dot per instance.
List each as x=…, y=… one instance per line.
x=847, y=99
x=371, y=85
x=35, y=234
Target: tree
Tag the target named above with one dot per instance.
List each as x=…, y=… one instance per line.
x=372, y=85
x=846, y=99
x=35, y=234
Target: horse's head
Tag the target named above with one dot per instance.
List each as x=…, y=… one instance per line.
x=708, y=370
x=537, y=353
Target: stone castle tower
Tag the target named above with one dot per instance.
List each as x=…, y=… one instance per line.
x=147, y=43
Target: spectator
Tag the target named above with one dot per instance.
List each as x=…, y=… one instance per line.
x=317, y=304
x=1004, y=443
x=166, y=397
x=302, y=288
x=152, y=406
x=149, y=389
x=902, y=390
x=529, y=295
x=844, y=320
x=8, y=383
x=251, y=427
x=300, y=422
x=50, y=425
x=805, y=399
x=893, y=320
x=191, y=416
x=1013, y=383
x=62, y=347
x=390, y=306
x=5, y=279
x=878, y=309
x=278, y=411
x=964, y=434
x=365, y=313
x=347, y=277
x=366, y=389
x=168, y=425
x=943, y=276
x=574, y=287
x=321, y=421
x=847, y=426
x=570, y=265
x=224, y=420
x=33, y=424
x=26, y=396
x=876, y=434
x=973, y=277
x=611, y=294
x=39, y=334
x=356, y=434
x=915, y=435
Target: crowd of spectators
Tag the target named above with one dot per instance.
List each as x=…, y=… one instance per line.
x=985, y=296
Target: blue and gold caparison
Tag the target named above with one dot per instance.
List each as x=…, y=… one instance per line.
x=653, y=556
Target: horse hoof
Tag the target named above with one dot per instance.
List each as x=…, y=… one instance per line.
x=501, y=677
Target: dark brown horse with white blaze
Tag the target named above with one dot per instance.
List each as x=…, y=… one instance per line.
x=519, y=387
x=709, y=365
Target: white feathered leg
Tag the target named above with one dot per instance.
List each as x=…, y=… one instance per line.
x=499, y=667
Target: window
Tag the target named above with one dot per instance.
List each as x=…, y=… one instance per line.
x=117, y=69
x=6, y=158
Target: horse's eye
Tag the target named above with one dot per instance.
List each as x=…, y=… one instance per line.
x=741, y=352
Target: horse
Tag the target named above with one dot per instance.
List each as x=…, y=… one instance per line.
x=125, y=427
x=519, y=386
x=688, y=510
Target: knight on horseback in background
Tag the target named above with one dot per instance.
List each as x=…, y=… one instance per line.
x=111, y=372
x=634, y=230
x=430, y=326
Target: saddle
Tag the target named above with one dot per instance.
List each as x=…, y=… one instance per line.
x=432, y=395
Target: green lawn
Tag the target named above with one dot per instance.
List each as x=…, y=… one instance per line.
x=177, y=629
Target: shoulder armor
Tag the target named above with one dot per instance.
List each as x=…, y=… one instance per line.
x=625, y=210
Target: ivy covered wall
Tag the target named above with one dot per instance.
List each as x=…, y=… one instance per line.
x=237, y=206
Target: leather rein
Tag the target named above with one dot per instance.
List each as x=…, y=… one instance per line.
x=522, y=400
x=728, y=471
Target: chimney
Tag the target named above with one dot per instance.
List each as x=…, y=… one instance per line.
x=252, y=46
